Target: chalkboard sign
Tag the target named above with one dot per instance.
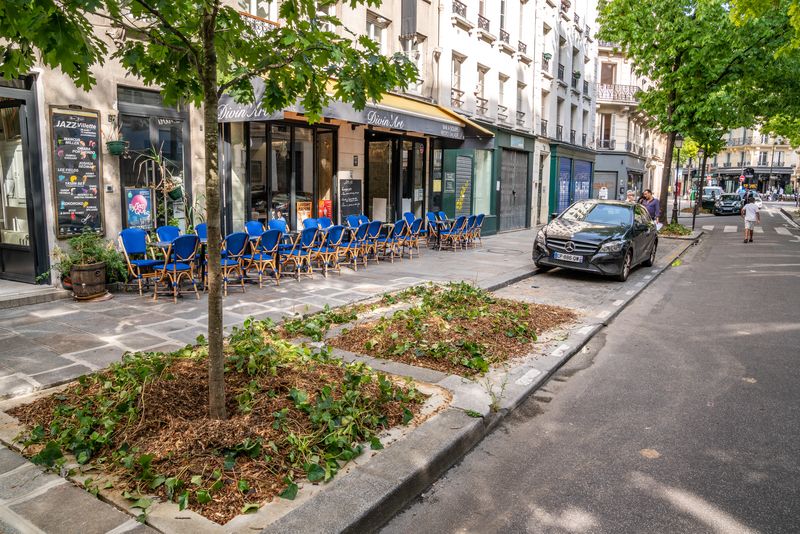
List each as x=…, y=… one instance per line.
x=76, y=171
x=350, y=198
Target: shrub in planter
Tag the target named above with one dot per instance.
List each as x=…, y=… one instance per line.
x=89, y=261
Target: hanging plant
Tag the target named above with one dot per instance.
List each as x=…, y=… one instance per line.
x=576, y=74
x=547, y=56
x=115, y=142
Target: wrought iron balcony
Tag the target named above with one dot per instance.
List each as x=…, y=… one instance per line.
x=572, y=137
x=561, y=72
x=617, y=93
x=607, y=144
x=260, y=26
x=523, y=48
x=577, y=19
x=460, y=8
x=456, y=98
x=481, y=105
x=502, y=113
x=483, y=23
x=606, y=44
x=543, y=127
x=504, y=36
x=520, y=118
x=559, y=131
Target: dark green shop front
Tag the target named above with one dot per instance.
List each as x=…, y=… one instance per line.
x=571, y=176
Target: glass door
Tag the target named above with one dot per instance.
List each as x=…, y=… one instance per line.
x=258, y=172
x=280, y=173
x=380, y=202
x=325, y=166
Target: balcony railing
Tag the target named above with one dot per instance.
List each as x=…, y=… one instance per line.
x=586, y=31
x=456, y=98
x=482, y=105
x=483, y=23
x=586, y=87
x=460, y=8
x=520, y=118
x=617, y=93
x=543, y=127
x=572, y=137
x=502, y=112
x=523, y=48
x=504, y=36
x=583, y=139
x=575, y=81
x=606, y=44
x=561, y=72
x=260, y=26
x=559, y=131
x=577, y=19
x=607, y=144
x=545, y=63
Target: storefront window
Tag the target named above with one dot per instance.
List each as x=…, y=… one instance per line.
x=482, y=193
x=564, y=170
x=419, y=176
x=304, y=173
x=436, y=180
x=258, y=171
x=583, y=176
x=325, y=174
x=238, y=177
x=380, y=172
x=14, y=227
x=280, y=170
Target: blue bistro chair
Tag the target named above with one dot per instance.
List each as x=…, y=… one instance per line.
x=265, y=256
x=453, y=237
x=432, y=230
x=133, y=242
x=371, y=241
x=299, y=256
x=254, y=229
x=179, y=265
x=328, y=253
x=411, y=241
x=202, y=231
x=168, y=233
x=442, y=215
x=278, y=224
x=235, y=246
x=478, y=225
x=409, y=217
x=388, y=245
x=363, y=219
x=310, y=223
x=352, y=221
x=325, y=222
x=356, y=247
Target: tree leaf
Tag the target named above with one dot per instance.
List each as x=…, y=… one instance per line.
x=250, y=507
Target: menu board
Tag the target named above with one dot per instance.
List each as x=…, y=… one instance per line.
x=76, y=170
x=350, y=200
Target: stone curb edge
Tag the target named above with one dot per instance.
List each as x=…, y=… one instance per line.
x=371, y=512
x=790, y=218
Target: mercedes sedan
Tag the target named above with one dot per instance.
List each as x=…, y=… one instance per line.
x=601, y=236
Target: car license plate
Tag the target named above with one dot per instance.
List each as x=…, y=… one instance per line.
x=567, y=257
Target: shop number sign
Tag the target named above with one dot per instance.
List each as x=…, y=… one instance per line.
x=76, y=171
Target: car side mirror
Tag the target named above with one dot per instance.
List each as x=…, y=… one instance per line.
x=553, y=215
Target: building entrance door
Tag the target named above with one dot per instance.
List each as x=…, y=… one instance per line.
x=395, y=176
x=513, y=189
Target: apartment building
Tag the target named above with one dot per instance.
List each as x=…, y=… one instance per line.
x=772, y=160
x=630, y=154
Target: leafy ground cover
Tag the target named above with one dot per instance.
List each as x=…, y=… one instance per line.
x=456, y=328
x=674, y=229
x=293, y=411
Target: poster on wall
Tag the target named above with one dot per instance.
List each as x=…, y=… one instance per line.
x=76, y=170
x=139, y=208
x=564, y=170
x=303, y=212
x=583, y=178
x=325, y=208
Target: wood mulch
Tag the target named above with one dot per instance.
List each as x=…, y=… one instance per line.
x=173, y=425
x=382, y=336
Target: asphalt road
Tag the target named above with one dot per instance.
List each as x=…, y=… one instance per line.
x=682, y=416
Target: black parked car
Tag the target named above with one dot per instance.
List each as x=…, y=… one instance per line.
x=728, y=203
x=602, y=236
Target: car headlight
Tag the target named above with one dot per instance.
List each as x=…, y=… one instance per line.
x=540, y=237
x=612, y=246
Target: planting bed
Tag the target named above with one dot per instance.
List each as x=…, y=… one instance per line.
x=294, y=412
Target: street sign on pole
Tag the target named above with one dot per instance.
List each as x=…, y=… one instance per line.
x=741, y=179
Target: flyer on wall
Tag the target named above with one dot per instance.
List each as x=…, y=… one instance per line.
x=139, y=208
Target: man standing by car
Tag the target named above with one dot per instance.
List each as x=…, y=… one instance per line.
x=651, y=204
x=751, y=218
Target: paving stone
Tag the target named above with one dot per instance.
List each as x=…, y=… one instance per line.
x=139, y=340
x=9, y=460
x=59, y=376
x=66, y=509
x=36, y=359
x=100, y=357
x=21, y=481
x=170, y=326
x=13, y=386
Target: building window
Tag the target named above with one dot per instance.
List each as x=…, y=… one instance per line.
x=779, y=158
x=502, y=14
x=521, y=107
x=608, y=73
x=413, y=48
x=482, y=8
x=456, y=93
x=764, y=139
x=762, y=158
x=727, y=159
x=606, y=130
x=376, y=29
x=259, y=8
x=481, y=102
x=482, y=194
x=502, y=107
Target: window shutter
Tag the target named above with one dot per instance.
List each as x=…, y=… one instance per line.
x=408, y=18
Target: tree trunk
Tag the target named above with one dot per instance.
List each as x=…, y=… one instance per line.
x=216, y=358
x=665, y=181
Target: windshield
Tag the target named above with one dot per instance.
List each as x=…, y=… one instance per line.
x=591, y=212
x=708, y=191
x=730, y=197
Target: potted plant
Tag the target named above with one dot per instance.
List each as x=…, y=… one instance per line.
x=577, y=74
x=547, y=56
x=87, y=264
x=115, y=142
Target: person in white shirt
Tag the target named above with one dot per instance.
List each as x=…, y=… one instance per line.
x=751, y=218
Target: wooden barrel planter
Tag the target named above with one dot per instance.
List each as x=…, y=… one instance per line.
x=88, y=281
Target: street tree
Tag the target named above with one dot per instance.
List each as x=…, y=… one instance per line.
x=197, y=50
x=696, y=59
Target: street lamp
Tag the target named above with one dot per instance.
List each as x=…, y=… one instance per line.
x=771, y=161
x=700, y=172
x=678, y=145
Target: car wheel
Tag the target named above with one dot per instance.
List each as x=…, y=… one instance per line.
x=652, y=258
x=625, y=270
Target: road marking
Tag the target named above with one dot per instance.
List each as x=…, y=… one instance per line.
x=782, y=231
x=729, y=229
x=527, y=378
x=618, y=302
x=708, y=227
x=758, y=230
x=771, y=213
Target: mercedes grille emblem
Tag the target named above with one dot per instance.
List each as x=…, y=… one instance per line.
x=570, y=246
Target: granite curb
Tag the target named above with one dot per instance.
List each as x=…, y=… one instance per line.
x=366, y=499
x=790, y=218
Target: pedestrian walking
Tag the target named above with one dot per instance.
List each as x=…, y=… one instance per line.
x=751, y=218
x=630, y=197
x=651, y=204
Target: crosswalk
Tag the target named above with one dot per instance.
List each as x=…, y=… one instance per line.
x=730, y=228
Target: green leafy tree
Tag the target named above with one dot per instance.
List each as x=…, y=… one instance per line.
x=196, y=50
x=708, y=74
